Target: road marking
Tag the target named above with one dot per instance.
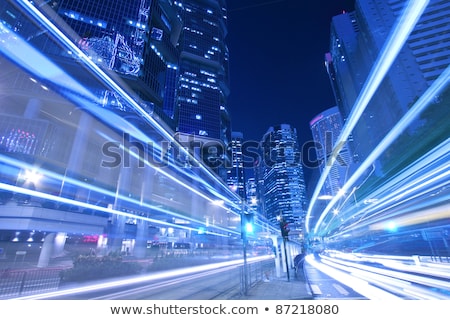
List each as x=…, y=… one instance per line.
x=340, y=289
x=316, y=290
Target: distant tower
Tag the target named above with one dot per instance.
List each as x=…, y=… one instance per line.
x=282, y=173
x=236, y=178
x=326, y=128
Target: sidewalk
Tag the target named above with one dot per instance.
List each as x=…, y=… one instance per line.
x=278, y=289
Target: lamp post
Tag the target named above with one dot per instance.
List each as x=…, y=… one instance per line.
x=284, y=228
x=245, y=241
x=246, y=229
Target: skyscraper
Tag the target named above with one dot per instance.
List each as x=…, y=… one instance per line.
x=203, y=85
x=137, y=39
x=284, y=184
x=203, y=77
x=357, y=39
x=326, y=128
x=236, y=177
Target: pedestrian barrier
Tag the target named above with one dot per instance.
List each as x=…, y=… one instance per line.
x=14, y=283
x=254, y=273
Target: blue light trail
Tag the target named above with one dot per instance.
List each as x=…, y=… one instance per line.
x=395, y=41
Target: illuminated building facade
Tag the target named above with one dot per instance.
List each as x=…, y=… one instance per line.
x=282, y=172
x=236, y=178
x=136, y=39
x=203, y=86
x=203, y=80
x=326, y=128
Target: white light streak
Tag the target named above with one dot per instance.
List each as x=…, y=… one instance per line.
x=140, y=279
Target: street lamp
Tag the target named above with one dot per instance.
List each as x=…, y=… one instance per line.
x=27, y=180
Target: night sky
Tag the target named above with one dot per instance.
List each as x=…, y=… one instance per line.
x=277, y=72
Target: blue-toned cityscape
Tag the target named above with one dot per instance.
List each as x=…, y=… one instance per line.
x=121, y=176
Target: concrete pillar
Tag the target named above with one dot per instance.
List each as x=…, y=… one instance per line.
x=142, y=234
x=33, y=108
x=117, y=231
x=46, y=251
x=59, y=242
x=115, y=236
x=140, y=246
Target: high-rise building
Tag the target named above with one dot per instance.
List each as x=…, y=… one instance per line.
x=236, y=177
x=202, y=90
x=282, y=170
x=358, y=37
x=255, y=186
x=326, y=128
x=137, y=39
x=203, y=83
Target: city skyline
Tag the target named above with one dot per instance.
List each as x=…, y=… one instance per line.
x=95, y=186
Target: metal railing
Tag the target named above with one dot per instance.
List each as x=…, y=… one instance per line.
x=15, y=283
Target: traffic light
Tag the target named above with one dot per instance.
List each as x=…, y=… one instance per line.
x=246, y=224
x=284, y=227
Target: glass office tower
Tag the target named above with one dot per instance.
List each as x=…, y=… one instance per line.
x=236, y=178
x=203, y=81
x=284, y=184
x=203, y=86
x=136, y=39
x=326, y=128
